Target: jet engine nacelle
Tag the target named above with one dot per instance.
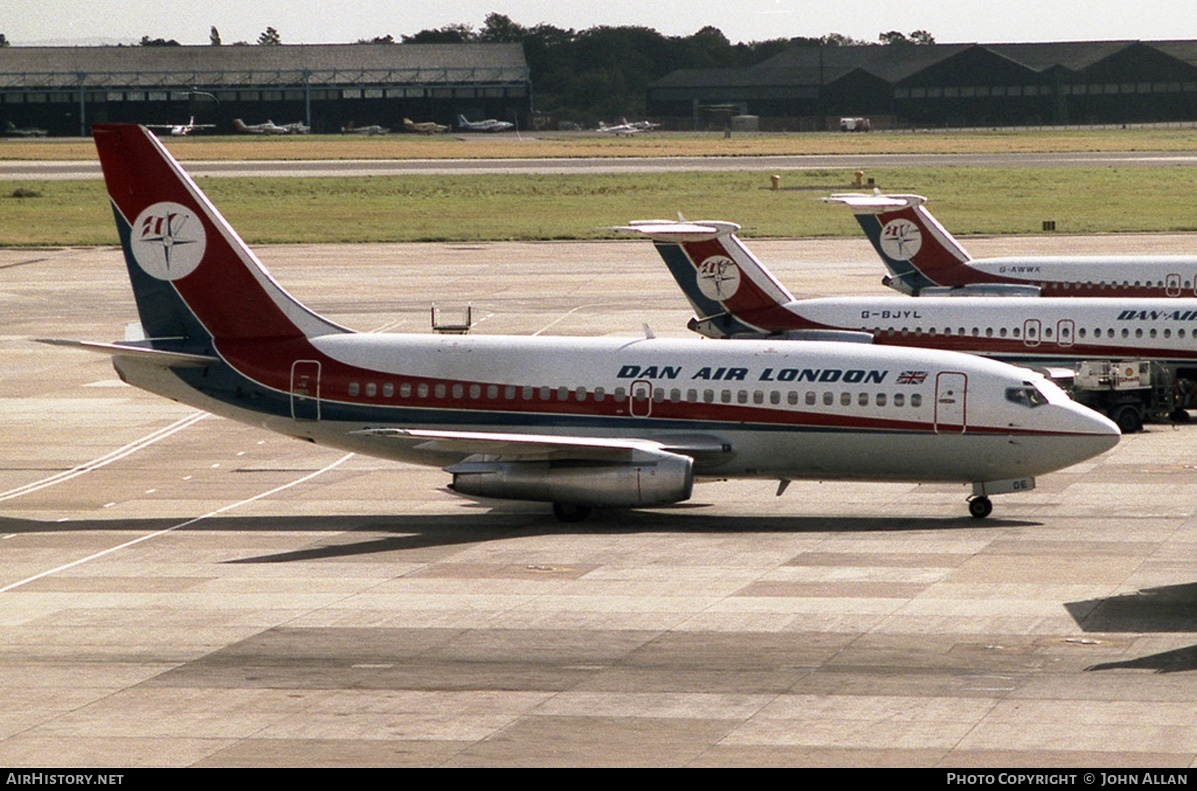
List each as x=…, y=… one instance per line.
x=653, y=478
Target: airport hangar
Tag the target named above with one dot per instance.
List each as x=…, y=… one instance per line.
x=67, y=89
x=810, y=88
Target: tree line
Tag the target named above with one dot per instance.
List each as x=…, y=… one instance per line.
x=602, y=73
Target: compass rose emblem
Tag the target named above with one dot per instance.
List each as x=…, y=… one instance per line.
x=168, y=241
x=718, y=278
x=901, y=239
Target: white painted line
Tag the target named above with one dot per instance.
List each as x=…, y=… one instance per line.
x=179, y=526
x=106, y=459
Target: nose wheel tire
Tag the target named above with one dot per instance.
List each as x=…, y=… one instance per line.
x=980, y=507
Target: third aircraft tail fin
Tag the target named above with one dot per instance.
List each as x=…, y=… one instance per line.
x=918, y=252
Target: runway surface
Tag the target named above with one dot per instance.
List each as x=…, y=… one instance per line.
x=178, y=590
x=30, y=170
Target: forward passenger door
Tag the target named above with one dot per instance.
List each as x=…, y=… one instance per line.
x=951, y=402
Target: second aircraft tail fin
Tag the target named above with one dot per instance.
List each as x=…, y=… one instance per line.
x=732, y=292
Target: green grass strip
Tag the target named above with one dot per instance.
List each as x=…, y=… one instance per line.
x=539, y=207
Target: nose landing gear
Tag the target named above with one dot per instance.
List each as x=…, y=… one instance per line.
x=980, y=507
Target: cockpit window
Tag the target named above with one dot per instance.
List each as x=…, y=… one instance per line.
x=1028, y=395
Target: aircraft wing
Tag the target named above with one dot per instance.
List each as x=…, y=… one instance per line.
x=545, y=446
x=164, y=358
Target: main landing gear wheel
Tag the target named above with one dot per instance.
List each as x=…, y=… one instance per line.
x=980, y=507
x=569, y=512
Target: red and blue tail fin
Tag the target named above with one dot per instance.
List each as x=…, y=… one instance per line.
x=916, y=249
x=732, y=293
x=195, y=281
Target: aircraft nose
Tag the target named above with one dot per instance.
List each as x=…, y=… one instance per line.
x=1094, y=432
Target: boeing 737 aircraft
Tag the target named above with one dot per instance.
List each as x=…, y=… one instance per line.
x=735, y=296
x=923, y=259
x=579, y=423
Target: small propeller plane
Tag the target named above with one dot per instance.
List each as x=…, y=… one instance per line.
x=424, y=127
x=271, y=128
x=489, y=125
x=181, y=130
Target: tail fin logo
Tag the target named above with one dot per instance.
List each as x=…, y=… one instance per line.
x=168, y=241
x=901, y=239
x=718, y=278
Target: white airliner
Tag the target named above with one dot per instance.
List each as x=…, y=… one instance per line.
x=923, y=259
x=579, y=423
x=735, y=296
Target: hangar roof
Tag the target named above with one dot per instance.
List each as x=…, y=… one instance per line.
x=311, y=64
x=812, y=66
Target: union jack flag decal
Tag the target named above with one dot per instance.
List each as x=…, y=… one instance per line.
x=912, y=377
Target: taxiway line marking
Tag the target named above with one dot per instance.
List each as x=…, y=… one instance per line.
x=179, y=526
x=108, y=458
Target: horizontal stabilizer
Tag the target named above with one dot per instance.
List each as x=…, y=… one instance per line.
x=869, y=203
x=675, y=232
x=164, y=358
